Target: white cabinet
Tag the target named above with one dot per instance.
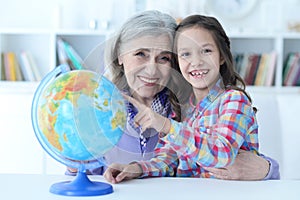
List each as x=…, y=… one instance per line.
x=19, y=149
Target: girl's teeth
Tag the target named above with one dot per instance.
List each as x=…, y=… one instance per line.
x=198, y=73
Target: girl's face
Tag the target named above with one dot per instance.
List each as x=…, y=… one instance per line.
x=199, y=59
x=147, y=65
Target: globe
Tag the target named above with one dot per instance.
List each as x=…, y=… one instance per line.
x=77, y=117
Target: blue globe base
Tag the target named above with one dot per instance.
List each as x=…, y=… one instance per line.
x=81, y=186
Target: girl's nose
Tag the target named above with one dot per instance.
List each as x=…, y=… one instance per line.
x=197, y=60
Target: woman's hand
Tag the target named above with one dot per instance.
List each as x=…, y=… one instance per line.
x=147, y=118
x=247, y=166
x=116, y=173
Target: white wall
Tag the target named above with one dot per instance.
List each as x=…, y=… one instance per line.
x=269, y=15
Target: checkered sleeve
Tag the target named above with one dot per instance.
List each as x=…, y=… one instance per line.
x=217, y=145
x=164, y=162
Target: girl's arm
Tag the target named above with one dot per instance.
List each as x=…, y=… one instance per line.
x=164, y=162
x=217, y=145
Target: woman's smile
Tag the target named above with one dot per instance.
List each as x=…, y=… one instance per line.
x=148, y=81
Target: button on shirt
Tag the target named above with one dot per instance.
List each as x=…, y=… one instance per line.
x=211, y=135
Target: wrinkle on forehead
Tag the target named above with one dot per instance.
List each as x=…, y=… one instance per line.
x=160, y=43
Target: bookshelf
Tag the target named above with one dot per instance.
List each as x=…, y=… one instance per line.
x=42, y=44
x=89, y=45
x=281, y=43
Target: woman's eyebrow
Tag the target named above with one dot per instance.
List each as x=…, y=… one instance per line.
x=166, y=52
x=142, y=49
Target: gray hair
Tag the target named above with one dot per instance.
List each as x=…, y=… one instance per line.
x=151, y=22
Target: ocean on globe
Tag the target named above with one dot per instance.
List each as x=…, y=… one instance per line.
x=78, y=116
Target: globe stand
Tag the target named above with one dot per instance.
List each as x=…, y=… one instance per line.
x=81, y=186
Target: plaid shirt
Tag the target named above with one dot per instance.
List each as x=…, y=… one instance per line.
x=211, y=135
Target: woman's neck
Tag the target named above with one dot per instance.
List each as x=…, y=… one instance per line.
x=144, y=100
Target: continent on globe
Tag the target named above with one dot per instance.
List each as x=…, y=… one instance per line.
x=80, y=116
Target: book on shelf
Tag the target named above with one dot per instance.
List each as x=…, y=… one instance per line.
x=13, y=58
x=291, y=71
x=256, y=69
x=67, y=55
x=2, y=67
x=262, y=67
x=19, y=67
x=11, y=67
x=246, y=64
x=254, y=63
x=270, y=72
x=36, y=71
x=266, y=70
x=287, y=64
x=26, y=67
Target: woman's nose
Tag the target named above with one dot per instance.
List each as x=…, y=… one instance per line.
x=151, y=66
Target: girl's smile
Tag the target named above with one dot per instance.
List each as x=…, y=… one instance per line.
x=199, y=59
x=199, y=73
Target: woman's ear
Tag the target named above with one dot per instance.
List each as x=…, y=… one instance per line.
x=120, y=60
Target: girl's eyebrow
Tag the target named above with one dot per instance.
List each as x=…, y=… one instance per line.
x=183, y=49
x=208, y=44
x=204, y=45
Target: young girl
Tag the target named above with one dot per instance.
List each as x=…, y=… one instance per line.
x=219, y=120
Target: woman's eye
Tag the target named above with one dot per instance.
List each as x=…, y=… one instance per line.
x=140, y=54
x=164, y=59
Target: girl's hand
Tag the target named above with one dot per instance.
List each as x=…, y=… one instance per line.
x=247, y=166
x=147, y=118
x=116, y=173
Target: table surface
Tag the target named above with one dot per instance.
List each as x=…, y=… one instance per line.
x=27, y=186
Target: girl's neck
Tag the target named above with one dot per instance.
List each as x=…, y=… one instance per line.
x=200, y=94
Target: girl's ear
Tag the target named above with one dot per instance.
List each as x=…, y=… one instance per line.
x=222, y=61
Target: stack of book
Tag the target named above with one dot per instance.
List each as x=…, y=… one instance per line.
x=256, y=69
x=67, y=55
x=291, y=70
x=19, y=68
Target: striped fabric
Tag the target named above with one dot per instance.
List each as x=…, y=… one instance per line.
x=213, y=132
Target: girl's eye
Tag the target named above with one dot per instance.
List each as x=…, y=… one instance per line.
x=206, y=51
x=185, y=54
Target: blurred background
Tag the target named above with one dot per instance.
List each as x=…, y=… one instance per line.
x=267, y=15
x=36, y=26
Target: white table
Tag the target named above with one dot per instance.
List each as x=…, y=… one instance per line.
x=31, y=187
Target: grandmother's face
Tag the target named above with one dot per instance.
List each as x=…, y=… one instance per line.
x=147, y=65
